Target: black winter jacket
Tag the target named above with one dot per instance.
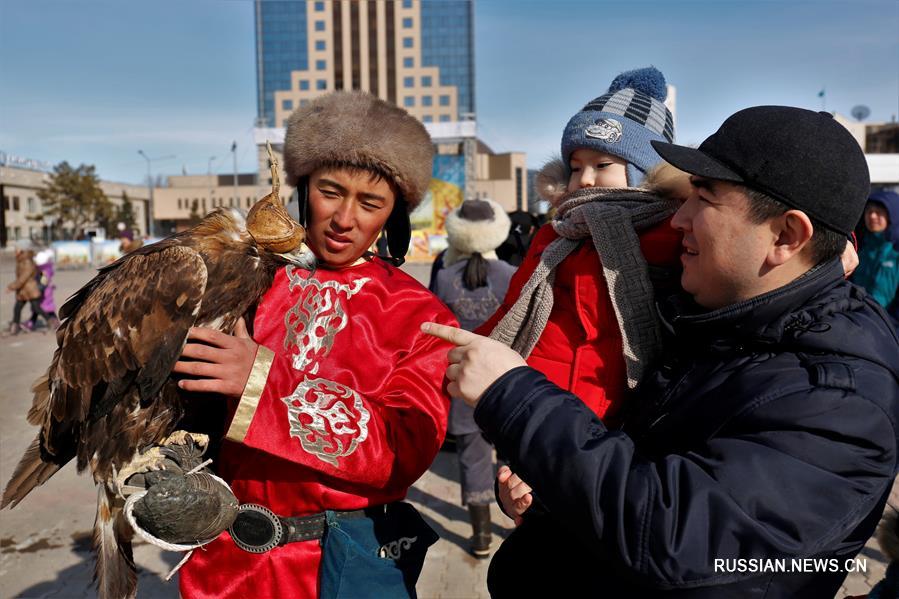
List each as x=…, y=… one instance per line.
x=770, y=433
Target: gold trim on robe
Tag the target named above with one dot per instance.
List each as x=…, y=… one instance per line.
x=246, y=409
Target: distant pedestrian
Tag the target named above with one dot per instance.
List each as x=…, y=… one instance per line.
x=472, y=282
x=129, y=241
x=878, y=269
x=26, y=289
x=521, y=232
x=45, y=272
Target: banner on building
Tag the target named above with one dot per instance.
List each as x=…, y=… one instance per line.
x=445, y=192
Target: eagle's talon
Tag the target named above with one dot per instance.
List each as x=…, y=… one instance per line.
x=185, y=438
x=149, y=460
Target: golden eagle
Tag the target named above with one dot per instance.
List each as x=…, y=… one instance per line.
x=109, y=395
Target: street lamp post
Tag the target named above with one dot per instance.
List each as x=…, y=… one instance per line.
x=150, y=216
x=209, y=176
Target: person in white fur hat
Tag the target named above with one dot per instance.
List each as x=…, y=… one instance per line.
x=472, y=283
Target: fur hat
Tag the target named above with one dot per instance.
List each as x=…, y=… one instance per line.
x=477, y=226
x=358, y=129
x=623, y=121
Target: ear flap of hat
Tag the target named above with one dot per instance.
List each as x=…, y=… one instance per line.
x=399, y=232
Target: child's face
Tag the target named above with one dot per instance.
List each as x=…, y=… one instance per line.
x=876, y=217
x=590, y=168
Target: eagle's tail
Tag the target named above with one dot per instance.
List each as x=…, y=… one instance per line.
x=31, y=472
x=115, y=572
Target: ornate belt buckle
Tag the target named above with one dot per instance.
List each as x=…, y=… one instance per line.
x=256, y=529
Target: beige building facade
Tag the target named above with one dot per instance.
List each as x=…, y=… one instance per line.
x=22, y=208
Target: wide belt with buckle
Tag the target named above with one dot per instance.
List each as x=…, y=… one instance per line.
x=257, y=529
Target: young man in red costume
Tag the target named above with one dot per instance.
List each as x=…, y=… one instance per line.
x=339, y=408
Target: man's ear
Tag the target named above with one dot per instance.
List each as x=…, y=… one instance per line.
x=793, y=231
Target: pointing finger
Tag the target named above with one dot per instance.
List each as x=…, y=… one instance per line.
x=454, y=335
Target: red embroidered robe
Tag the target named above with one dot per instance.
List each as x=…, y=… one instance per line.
x=344, y=409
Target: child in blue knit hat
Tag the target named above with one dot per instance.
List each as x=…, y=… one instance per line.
x=581, y=308
x=612, y=215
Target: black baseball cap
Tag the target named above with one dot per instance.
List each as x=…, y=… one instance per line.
x=802, y=158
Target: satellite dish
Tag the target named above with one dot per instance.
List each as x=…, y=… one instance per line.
x=860, y=112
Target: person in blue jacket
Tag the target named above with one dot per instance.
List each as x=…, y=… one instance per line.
x=764, y=446
x=878, y=268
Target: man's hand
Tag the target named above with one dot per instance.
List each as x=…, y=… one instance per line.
x=514, y=494
x=224, y=361
x=475, y=363
x=849, y=258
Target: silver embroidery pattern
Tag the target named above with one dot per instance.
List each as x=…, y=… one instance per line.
x=394, y=549
x=316, y=318
x=328, y=418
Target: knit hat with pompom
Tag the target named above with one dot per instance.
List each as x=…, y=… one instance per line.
x=623, y=121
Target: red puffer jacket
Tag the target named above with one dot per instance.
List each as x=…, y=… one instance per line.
x=580, y=348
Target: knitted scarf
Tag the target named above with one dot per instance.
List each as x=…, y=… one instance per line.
x=611, y=218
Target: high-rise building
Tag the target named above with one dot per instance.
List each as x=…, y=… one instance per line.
x=416, y=54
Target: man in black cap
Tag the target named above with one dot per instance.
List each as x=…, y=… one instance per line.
x=765, y=448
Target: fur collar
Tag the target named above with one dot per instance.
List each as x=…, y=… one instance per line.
x=663, y=180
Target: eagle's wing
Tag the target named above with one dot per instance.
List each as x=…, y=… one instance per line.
x=124, y=332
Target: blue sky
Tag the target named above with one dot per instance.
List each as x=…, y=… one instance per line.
x=95, y=81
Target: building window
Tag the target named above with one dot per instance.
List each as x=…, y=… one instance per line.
x=408, y=42
x=408, y=81
x=444, y=100
x=15, y=205
x=303, y=103
x=426, y=101
x=304, y=84
x=204, y=205
x=320, y=65
x=249, y=202
x=30, y=205
x=428, y=119
x=319, y=25
x=407, y=23
x=319, y=6
x=409, y=101
x=179, y=203
x=407, y=3
x=6, y=206
x=444, y=118
x=320, y=44
x=426, y=82
x=321, y=84
x=287, y=104
x=408, y=62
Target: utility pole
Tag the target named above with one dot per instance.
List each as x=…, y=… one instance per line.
x=234, y=151
x=209, y=176
x=151, y=229
x=469, y=152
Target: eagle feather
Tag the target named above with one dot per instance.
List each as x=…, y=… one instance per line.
x=108, y=393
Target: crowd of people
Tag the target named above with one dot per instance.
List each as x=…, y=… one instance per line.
x=680, y=376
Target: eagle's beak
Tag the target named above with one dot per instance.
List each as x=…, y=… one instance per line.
x=302, y=257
